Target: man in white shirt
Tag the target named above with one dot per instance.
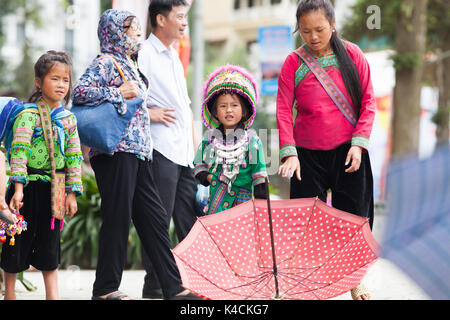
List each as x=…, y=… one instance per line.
x=171, y=117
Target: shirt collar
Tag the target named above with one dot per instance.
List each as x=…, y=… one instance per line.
x=159, y=46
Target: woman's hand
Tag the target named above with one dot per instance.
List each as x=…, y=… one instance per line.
x=353, y=157
x=289, y=167
x=16, y=201
x=129, y=89
x=71, y=205
x=164, y=115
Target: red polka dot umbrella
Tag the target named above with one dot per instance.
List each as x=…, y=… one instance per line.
x=296, y=249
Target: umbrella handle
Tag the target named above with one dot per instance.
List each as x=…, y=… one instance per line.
x=272, y=241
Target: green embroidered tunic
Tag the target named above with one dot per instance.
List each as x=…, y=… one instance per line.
x=251, y=173
x=28, y=149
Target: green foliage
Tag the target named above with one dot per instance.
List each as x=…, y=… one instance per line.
x=79, y=238
x=410, y=60
x=355, y=27
x=438, y=21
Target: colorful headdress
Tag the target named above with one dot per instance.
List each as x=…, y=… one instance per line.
x=229, y=78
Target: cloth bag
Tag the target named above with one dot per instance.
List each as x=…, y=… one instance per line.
x=101, y=127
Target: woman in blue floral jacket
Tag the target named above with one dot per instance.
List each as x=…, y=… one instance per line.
x=125, y=178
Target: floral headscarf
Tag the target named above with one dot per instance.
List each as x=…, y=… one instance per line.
x=110, y=32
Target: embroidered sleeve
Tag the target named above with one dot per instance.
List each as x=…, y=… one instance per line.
x=199, y=163
x=285, y=103
x=257, y=161
x=100, y=83
x=74, y=159
x=287, y=150
x=361, y=133
x=21, y=147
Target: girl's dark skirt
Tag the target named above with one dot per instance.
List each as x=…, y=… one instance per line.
x=39, y=245
x=324, y=170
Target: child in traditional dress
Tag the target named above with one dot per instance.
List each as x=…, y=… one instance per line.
x=230, y=160
x=45, y=160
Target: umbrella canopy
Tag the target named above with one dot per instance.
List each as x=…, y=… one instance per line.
x=282, y=249
x=417, y=234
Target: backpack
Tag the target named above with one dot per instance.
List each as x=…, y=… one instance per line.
x=10, y=109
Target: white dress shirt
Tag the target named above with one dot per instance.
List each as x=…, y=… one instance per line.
x=167, y=89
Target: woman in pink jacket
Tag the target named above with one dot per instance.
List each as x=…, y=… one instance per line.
x=327, y=83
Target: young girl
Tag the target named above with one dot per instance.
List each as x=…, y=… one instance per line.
x=45, y=160
x=231, y=158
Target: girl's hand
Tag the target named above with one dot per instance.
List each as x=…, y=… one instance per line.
x=209, y=177
x=129, y=89
x=71, y=205
x=164, y=115
x=289, y=167
x=353, y=157
x=16, y=200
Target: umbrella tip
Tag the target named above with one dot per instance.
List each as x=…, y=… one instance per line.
x=277, y=296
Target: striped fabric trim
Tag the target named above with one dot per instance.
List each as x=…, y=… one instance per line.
x=218, y=197
x=329, y=85
x=360, y=140
x=327, y=62
x=287, y=150
x=259, y=177
x=201, y=167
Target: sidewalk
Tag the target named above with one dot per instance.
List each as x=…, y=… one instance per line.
x=384, y=279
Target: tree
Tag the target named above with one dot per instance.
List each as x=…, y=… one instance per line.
x=437, y=42
x=408, y=63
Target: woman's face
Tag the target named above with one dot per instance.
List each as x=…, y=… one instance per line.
x=316, y=31
x=229, y=110
x=133, y=35
x=133, y=28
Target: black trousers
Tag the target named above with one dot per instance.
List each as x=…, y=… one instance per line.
x=128, y=193
x=39, y=245
x=323, y=170
x=177, y=189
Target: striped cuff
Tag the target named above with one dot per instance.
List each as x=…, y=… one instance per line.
x=75, y=187
x=361, y=141
x=19, y=178
x=287, y=150
x=200, y=167
x=259, y=177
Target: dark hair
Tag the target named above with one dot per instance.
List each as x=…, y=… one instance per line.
x=43, y=66
x=245, y=105
x=162, y=7
x=347, y=67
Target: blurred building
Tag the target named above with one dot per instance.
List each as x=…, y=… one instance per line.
x=69, y=25
x=231, y=22
x=228, y=22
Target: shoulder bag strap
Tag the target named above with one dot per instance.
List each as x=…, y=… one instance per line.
x=329, y=85
x=58, y=210
x=117, y=66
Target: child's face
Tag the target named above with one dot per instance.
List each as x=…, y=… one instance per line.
x=55, y=84
x=229, y=110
